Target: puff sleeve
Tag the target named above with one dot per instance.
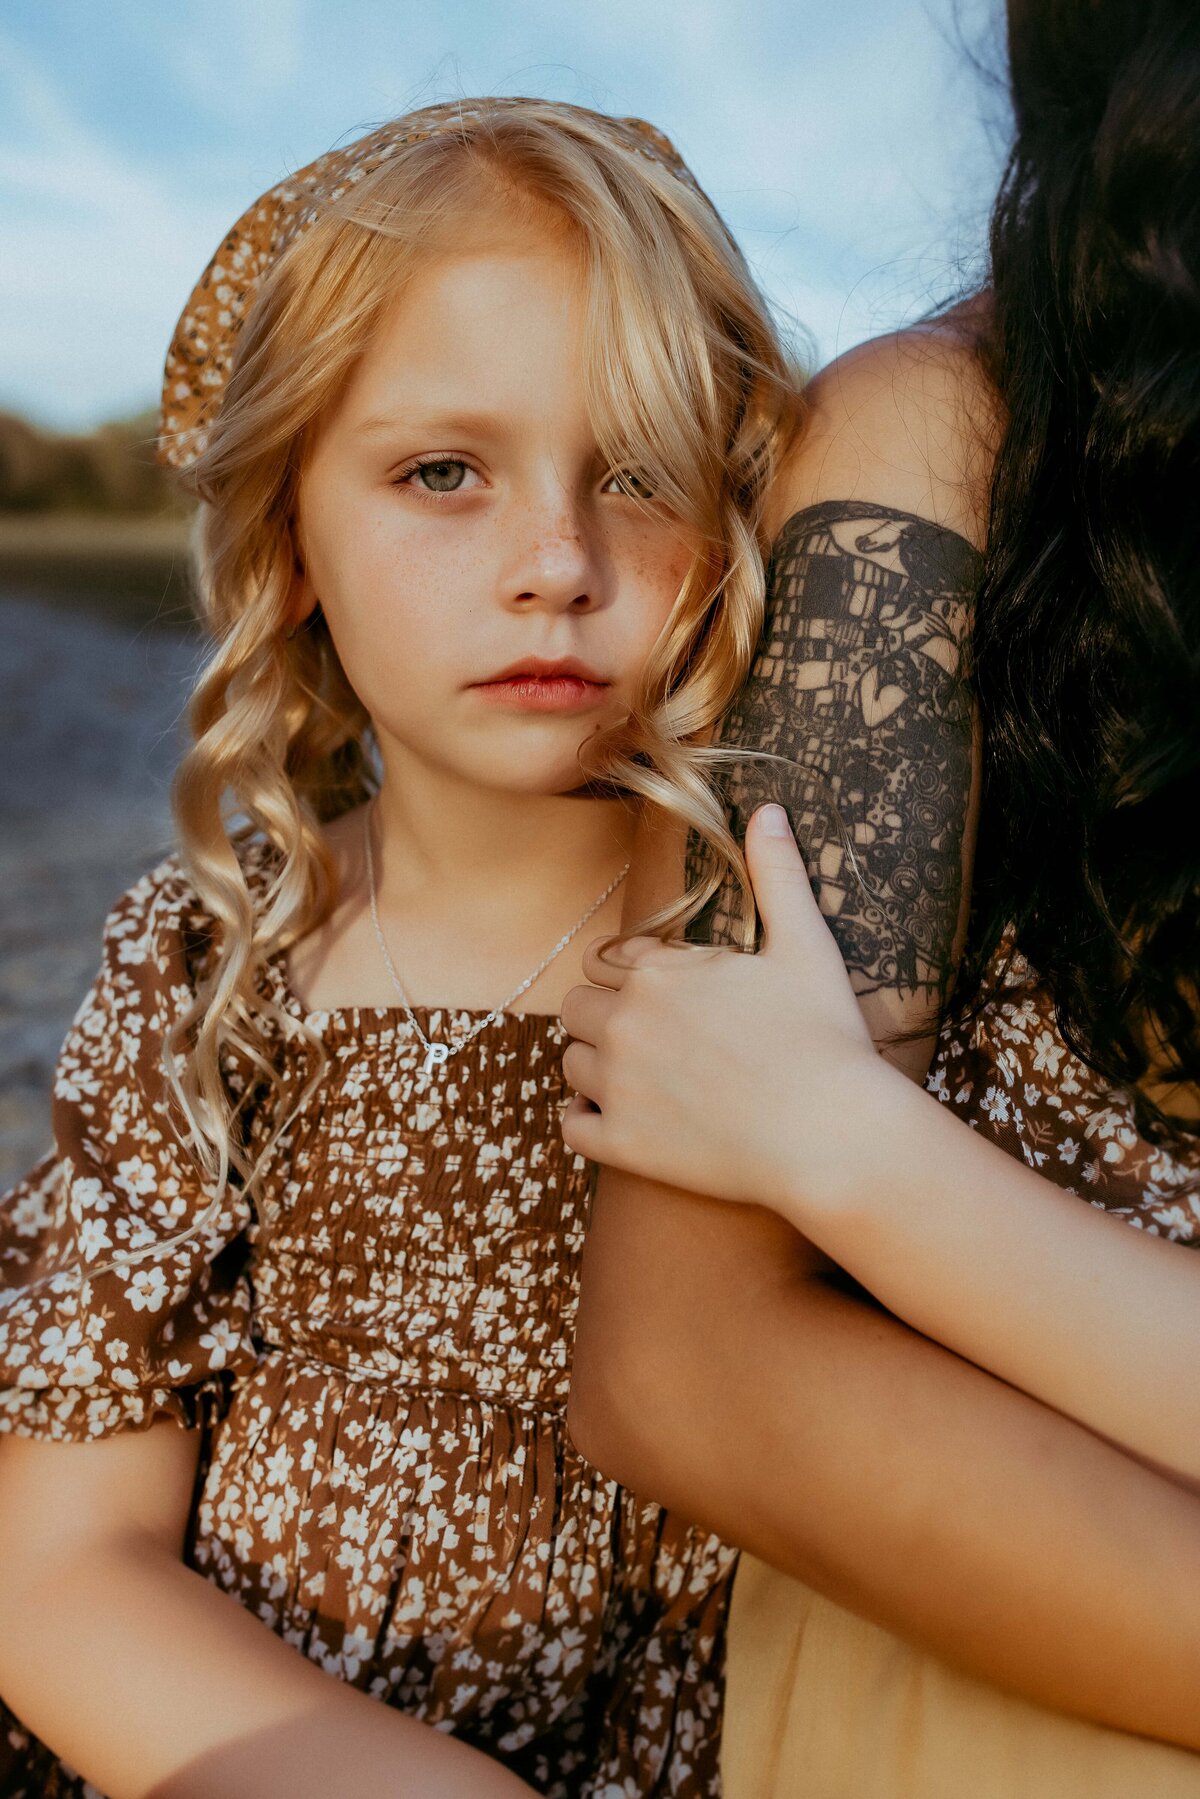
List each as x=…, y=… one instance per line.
x=86, y=1347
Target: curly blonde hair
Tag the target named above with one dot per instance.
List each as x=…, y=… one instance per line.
x=687, y=382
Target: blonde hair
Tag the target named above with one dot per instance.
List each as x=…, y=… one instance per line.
x=687, y=384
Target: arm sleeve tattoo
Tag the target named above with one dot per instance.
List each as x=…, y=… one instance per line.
x=858, y=687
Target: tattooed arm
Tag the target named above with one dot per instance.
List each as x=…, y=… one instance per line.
x=753, y=1389
x=857, y=694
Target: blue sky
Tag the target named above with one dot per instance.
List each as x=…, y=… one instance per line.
x=851, y=144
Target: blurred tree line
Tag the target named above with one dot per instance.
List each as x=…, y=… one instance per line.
x=110, y=470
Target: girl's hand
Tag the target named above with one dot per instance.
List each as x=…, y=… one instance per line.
x=743, y=1077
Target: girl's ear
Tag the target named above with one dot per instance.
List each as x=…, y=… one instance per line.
x=302, y=599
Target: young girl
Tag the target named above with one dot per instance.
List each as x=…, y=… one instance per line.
x=481, y=410
x=947, y=1536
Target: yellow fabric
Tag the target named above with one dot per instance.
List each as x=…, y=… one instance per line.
x=822, y=1705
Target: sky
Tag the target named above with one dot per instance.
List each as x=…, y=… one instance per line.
x=852, y=145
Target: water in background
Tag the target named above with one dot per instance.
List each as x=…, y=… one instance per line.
x=91, y=707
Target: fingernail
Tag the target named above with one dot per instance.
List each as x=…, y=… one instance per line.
x=773, y=822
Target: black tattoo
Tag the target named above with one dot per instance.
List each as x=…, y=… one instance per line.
x=858, y=684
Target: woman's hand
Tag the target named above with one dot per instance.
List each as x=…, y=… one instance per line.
x=723, y=1073
x=754, y=1078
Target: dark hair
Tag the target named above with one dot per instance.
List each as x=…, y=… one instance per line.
x=1087, y=630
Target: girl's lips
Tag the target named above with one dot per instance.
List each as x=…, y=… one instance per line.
x=544, y=693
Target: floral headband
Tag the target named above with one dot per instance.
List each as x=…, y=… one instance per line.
x=202, y=348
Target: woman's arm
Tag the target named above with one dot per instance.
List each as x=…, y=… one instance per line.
x=152, y=1683
x=726, y=1374
x=857, y=692
x=752, y=1390
x=755, y=1393
x=703, y=1081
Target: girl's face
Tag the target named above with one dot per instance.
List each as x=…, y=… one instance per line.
x=492, y=588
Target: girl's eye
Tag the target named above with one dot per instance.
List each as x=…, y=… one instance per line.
x=446, y=475
x=628, y=481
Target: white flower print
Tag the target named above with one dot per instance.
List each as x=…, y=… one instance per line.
x=136, y=1177
x=79, y=1368
x=58, y=1343
x=1173, y=1221
x=147, y=1289
x=277, y=1470
x=29, y=1215
x=995, y=1105
x=221, y=1339
x=1048, y=1052
x=93, y=1238
x=354, y=1526
x=357, y=1647
x=73, y=1085
x=88, y=1194
x=1116, y=1131
x=271, y=1512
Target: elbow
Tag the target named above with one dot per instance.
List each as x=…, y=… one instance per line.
x=620, y=1402
x=639, y=1351
x=634, y=1414
x=602, y=1412
x=586, y=1425
x=602, y=1428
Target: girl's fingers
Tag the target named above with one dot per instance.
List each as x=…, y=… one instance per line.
x=582, y=1130
x=584, y=1012
x=782, y=890
x=608, y=963
x=581, y=1070
x=602, y=963
x=796, y=932
x=793, y=923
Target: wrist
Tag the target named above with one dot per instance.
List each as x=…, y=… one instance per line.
x=864, y=1147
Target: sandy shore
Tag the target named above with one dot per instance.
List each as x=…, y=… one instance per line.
x=130, y=569
x=91, y=698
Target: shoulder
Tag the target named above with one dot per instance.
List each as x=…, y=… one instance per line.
x=161, y=921
x=909, y=423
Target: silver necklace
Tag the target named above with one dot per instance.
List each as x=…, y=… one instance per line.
x=436, y=1054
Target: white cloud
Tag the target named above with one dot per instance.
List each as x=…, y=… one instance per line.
x=100, y=256
x=843, y=145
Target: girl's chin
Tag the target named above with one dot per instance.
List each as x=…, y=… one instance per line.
x=535, y=755
x=530, y=786
x=531, y=780
x=536, y=759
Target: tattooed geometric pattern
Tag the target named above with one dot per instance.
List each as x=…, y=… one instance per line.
x=858, y=689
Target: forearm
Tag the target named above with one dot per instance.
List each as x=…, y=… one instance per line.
x=157, y=1686
x=984, y=1255
x=839, y=1446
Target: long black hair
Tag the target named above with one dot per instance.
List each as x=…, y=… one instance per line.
x=1087, y=630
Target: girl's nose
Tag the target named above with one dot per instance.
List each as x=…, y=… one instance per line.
x=555, y=565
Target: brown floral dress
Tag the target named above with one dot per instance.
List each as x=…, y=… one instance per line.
x=1010, y=1074
x=380, y=1345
